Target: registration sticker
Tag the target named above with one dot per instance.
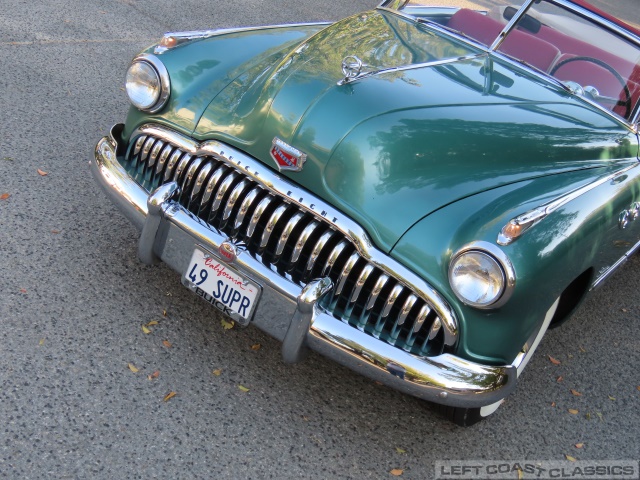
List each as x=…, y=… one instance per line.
x=222, y=286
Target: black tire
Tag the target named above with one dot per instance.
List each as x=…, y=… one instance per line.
x=463, y=417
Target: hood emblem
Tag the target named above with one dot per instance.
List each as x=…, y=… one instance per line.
x=286, y=156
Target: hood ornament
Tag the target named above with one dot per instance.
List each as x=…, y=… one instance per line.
x=286, y=156
x=351, y=67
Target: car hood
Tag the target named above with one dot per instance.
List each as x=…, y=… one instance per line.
x=393, y=147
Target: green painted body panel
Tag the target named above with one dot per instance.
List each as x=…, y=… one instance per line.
x=425, y=159
x=582, y=235
x=200, y=70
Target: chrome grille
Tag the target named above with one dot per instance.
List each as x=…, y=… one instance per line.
x=295, y=243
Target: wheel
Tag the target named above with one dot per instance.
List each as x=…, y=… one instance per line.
x=626, y=103
x=465, y=417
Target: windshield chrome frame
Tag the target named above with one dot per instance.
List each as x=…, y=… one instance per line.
x=632, y=123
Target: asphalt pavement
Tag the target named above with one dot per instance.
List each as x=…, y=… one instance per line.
x=74, y=299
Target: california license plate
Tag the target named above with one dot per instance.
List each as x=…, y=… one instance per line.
x=222, y=286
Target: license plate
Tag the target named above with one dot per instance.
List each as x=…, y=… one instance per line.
x=222, y=286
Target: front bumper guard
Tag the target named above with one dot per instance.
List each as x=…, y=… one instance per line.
x=292, y=314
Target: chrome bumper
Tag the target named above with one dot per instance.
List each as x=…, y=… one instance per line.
x=169, y=233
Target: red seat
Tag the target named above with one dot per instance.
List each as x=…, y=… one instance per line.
x=518, y=44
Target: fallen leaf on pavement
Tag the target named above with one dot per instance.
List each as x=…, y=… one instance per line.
x=638, y=388
x=600, y=416
x=42, y=173
x=400, y=450
x=582, y=349
x=41, y=342
x=579, y=445
x=624, y=310
x=226, y=325
x=570, y=458
x=155, y=374
x=4, y=196
x=166, y=343
x=396, y=472
x=243, y=388
x=164, y=313
x=555, y=361
x=559, y=379
x=588, y=416
x=576, y=393
x=169, y=396
x=55, y=232
x=217, y=372
x=152, y=323
x=573, y=411
x=145, y=330
x=613, y=399
x=256, y=346
x=23, y=290
x=133, y=368
x=553, y=404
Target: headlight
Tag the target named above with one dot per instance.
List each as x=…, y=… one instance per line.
x=148, y=83
x=481, y=276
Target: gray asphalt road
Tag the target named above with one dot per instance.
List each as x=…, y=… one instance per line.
x=73, y=299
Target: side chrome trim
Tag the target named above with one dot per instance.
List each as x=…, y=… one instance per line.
x=445, y=378
x=608, y=272
x=302, y=199
x=186, y=36
x=530, y=218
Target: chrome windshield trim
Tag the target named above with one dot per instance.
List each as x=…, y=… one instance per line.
x=510, y=25
x=535, y=215
x=202, y=34
x=303, y=200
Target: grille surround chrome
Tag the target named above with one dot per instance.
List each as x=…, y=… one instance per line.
x=225, y=187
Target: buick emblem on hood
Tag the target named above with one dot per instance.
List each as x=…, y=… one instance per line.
x=286, y=156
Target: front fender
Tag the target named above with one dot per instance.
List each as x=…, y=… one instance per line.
x=583, y=234
x=201, y=69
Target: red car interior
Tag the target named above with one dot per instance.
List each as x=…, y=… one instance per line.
x=548, y=48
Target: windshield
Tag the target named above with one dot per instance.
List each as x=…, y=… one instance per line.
x=590, y=60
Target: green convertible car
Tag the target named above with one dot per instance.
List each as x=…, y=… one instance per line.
x=417, y=192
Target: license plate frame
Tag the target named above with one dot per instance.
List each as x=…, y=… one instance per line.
x=223, y=286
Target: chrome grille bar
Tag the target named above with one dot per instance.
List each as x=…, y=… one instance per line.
x=237, y=195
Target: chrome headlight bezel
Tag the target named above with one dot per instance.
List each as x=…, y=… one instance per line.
x=163, y=79
x=503, y=263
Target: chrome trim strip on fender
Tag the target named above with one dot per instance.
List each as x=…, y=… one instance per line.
x=444, y=378
x=607, y=273
x=181, y=37
x=528, y=219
